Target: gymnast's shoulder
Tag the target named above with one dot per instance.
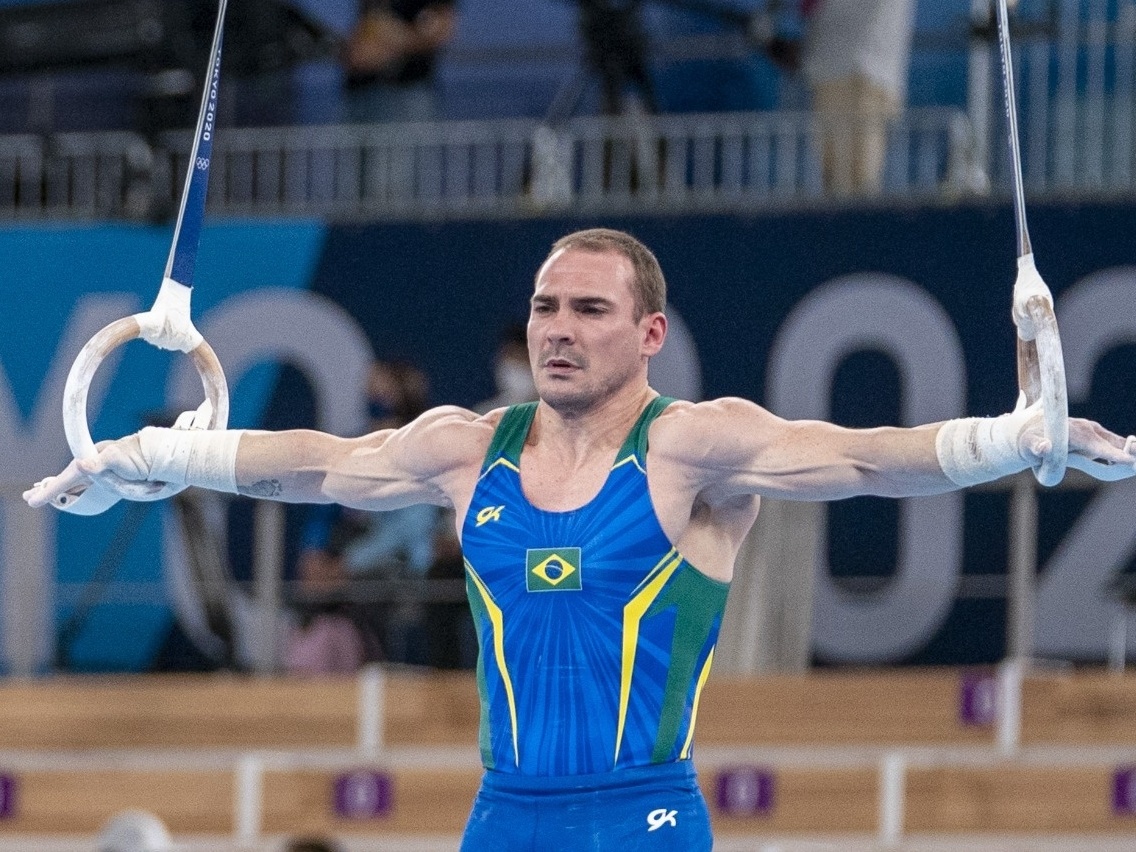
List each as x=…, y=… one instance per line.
x=697, y=431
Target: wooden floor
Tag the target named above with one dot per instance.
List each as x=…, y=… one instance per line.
x=896, y=755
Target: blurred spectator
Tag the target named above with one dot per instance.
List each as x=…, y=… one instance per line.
x=391, y=56
x=512, y=373
x=134, y=831
x=856, y=57
x=362, y=573
x=616, y=49
x=327, y=643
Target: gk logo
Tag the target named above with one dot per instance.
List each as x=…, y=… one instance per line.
x=660, y=817
x=489, y=513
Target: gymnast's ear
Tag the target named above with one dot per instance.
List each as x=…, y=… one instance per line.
x=654, y=328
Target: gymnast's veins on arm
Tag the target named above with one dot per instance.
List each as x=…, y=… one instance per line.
x=725, y=448
x=386, y=469
x=736, y=447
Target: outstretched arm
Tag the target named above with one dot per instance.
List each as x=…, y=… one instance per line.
x=383, y=470
x=735, y=447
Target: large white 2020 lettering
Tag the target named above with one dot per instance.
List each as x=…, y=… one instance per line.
x=888, y=314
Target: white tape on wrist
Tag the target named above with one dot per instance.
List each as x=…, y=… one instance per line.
x=973, y=450
x=205, y=458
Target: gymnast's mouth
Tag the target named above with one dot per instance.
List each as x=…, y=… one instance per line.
x=560, y=362
x=560, y=365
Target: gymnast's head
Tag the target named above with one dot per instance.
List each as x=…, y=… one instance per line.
x=596, y=318
x=648, y=285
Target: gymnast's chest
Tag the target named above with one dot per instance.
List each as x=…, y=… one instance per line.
x=554, y=488
x=604, y=547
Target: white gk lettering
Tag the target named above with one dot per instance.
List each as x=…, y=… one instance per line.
x=660, y=817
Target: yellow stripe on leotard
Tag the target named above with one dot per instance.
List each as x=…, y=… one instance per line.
x=498, y=620
x=633, y=613
x=694, y=710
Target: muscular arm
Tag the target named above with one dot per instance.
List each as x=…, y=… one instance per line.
x=384, y=470
x=732, y=447
x=756, y=452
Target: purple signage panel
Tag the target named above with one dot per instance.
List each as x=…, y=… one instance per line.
x=978, y=699
x=1124, y=791
x=363, y=794
x=746, y=791
x=7, y=796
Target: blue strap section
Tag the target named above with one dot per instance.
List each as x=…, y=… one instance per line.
x=187, y=236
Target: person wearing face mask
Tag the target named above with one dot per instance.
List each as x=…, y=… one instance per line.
x=352, y=561
x=512, y=373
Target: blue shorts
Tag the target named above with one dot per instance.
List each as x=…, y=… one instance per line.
x=645, y=809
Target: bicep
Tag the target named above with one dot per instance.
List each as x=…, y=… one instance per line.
x=753, y=451
x=406, y=466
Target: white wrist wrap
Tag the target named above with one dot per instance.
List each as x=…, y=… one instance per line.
x=205, y=458
x=981, y=449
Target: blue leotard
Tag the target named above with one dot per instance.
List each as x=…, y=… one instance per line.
x=596, y=634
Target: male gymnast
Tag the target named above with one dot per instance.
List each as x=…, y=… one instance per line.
x=600, y=527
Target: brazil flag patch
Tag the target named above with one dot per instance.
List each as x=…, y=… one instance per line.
x=554, y=569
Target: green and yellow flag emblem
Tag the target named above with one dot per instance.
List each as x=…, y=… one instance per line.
x=554, y=569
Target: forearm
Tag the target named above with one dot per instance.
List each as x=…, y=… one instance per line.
x=896, y=462
x=945, y=456
x=290, y=466
x=819, y=461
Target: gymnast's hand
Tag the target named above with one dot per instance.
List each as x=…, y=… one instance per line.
x=73, y=490
x=1100, y=453
x=1093, y=449
x=77, y=488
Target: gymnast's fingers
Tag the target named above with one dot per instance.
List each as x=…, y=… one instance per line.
x=122, y=458
x=1100, y=453
x=71, y=480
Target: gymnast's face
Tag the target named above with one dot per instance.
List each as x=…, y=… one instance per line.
x=585, y=342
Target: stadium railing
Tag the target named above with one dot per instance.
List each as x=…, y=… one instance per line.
x=512, y=167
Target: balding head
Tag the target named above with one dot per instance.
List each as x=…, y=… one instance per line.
x=648, y=285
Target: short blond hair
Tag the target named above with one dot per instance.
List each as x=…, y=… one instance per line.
x=649, y=287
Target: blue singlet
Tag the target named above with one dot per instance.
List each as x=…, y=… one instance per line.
x=596, y=638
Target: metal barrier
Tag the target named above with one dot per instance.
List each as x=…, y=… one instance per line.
x=676, y=163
